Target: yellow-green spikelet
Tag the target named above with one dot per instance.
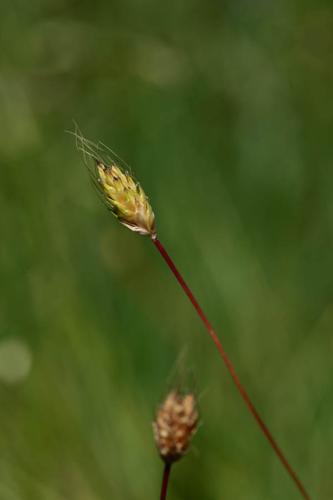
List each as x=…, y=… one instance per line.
x=126, y=199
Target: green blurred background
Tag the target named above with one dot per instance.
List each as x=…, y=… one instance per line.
x=224, y=111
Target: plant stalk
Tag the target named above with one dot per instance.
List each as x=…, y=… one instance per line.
x=231, y=370
x=165, y=481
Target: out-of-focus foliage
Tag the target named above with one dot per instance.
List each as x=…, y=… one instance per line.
x=224, y=110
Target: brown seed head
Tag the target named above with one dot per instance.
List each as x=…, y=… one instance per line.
x=175, y=423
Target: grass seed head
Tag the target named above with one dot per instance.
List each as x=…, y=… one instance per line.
x=175, y=423
x=126, y=199
x=116, y=186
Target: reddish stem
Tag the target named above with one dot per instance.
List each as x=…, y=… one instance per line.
x=165, y=481
x=231, y=369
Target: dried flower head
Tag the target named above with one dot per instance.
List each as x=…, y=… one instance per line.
x=117, y=187
x=175, y=423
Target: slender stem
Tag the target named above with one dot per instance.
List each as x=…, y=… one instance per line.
x=165, y=481
x=231, y=369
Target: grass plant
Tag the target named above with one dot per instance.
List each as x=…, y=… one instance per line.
x=125, y=198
